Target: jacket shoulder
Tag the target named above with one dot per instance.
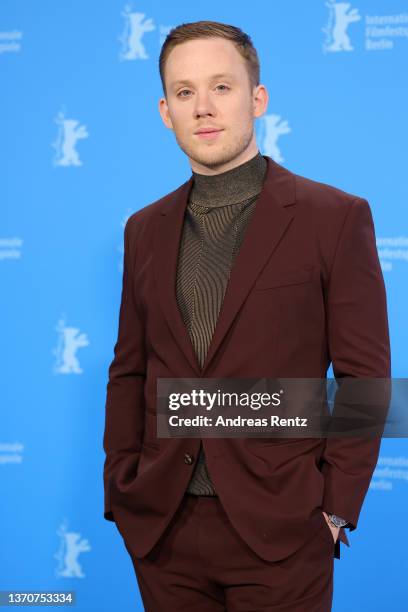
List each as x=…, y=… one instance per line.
x=145, y=217
x=322, y=197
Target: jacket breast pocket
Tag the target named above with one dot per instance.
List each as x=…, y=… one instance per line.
x=284, y=278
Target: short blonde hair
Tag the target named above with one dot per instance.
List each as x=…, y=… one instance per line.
x=211, y=29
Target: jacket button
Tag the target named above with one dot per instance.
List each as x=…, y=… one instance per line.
x=265, y=535
x=188, y=458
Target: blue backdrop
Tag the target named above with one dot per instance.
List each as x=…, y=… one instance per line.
x=81, y=141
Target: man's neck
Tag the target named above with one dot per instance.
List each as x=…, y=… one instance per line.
x=232, y=186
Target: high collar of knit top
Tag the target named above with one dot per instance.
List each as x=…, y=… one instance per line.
x=230, y=187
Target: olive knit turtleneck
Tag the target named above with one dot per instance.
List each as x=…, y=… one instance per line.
x=217, y=215
x=229, y=187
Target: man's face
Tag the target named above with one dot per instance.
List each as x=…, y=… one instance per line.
x=208, y=86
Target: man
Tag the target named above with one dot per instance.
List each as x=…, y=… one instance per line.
x=247, y=270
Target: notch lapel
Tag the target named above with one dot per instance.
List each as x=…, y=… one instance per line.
x=270, y=219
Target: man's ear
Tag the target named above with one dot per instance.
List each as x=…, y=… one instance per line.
x=260, y=100
x=164, y=112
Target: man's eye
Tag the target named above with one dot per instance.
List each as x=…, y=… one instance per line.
x=225, y=88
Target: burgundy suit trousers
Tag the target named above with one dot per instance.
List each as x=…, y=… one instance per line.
x=201, y=564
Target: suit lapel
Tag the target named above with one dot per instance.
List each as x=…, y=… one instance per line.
x=271, y=217
x=165, y=254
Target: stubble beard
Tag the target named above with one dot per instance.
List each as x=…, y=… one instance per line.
x=217, y=155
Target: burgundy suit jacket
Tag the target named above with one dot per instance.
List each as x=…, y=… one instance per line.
x=306, y=290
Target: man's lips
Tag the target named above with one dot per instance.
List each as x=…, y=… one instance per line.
x=210, y=135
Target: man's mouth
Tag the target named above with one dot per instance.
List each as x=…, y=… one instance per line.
x=208, y=135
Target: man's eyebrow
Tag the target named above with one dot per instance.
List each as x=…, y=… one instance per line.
x=219, y=75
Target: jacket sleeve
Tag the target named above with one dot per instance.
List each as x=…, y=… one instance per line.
x=359, y=346
x=124, y=408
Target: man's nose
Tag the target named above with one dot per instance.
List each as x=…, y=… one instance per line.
x=203, y=105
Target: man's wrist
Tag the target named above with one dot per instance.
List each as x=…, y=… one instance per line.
x=337, y=521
